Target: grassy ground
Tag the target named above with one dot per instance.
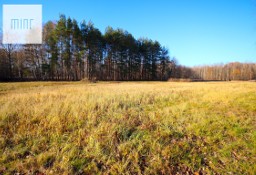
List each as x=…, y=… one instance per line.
x=128, y=128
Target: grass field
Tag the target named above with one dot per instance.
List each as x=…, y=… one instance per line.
x=128, y=128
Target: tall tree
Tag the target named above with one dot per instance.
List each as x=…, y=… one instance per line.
x=51, y=46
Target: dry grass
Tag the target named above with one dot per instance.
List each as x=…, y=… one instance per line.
x=128, y=128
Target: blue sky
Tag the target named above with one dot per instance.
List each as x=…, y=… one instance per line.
x=196, y=32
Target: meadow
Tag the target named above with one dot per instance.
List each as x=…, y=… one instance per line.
x=128, y=128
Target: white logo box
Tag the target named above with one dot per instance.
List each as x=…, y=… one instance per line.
x=22, y=24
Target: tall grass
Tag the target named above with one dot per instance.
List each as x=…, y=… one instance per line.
x=128, y=128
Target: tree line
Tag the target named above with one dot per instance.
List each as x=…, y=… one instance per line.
x=75, y=51
x=218, y=72
x=226, y=72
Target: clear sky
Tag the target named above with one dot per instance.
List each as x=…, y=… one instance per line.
x=196, y=32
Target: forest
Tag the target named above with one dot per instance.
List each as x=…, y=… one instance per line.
x=73, y=51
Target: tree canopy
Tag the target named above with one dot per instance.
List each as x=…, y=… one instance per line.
x=74, y=51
